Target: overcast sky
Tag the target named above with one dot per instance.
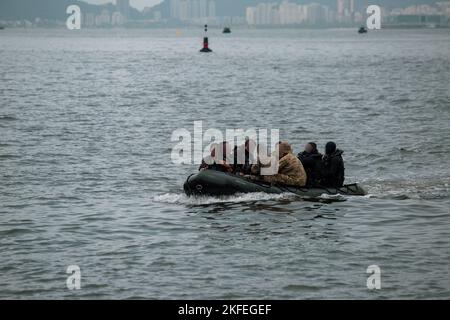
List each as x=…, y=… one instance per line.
x=139, y=4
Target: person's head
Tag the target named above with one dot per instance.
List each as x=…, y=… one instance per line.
x=311, y=147
x=283, y=149
x=330, y=148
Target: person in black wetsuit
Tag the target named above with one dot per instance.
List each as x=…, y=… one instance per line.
x=312, y=162
x=333, y=170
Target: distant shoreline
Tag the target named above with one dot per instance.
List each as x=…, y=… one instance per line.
x=385, y=27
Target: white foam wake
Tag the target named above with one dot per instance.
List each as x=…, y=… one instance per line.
x=175, y=198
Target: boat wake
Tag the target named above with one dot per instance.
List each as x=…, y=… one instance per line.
x=175, y=198
x=427, y=189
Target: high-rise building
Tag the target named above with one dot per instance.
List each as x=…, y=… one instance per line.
x=212, y=9
x=341, y=8
x=175, y=9
x=123, y=7
x=183, y=10
x=265, y=14
x=289, y=13
x=192, y=10
x=444, y=8
x=203, y=8
x=352, y=10
x=317, y=14
x=286, y=13
x=118, y=19
x=195, y=9
x=250, y=15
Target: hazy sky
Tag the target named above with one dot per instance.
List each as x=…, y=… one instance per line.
x=139, y=4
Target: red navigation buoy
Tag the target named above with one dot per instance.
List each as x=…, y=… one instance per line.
x=205, y=41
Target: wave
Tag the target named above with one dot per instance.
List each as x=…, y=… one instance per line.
x=7, y=118
x=427, y=189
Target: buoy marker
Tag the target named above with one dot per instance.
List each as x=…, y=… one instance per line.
x=205, y=41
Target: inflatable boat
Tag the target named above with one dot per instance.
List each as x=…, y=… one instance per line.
x=216, y=183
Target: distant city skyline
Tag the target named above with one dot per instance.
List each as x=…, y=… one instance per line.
x=345, y=13
x=141, y=4
x=289, y=13
x=112, y=13
x=186, y=10
x=138, y=4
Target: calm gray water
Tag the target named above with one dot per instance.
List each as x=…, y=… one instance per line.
x=86, y=177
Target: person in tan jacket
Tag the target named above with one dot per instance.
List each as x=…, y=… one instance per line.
x=290, y=169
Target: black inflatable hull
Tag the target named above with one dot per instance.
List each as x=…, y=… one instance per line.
x=215, y=183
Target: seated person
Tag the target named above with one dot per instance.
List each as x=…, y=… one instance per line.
x=290, y=169
x=243, y=157
x=209, y=160
x=311, y=160
x=217, y=159
x=332, y=174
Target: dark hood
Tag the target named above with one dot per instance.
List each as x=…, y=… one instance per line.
x=337, y=153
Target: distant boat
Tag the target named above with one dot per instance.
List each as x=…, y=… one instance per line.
x=226, y=30
x=362, y=30
x=2, y=27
